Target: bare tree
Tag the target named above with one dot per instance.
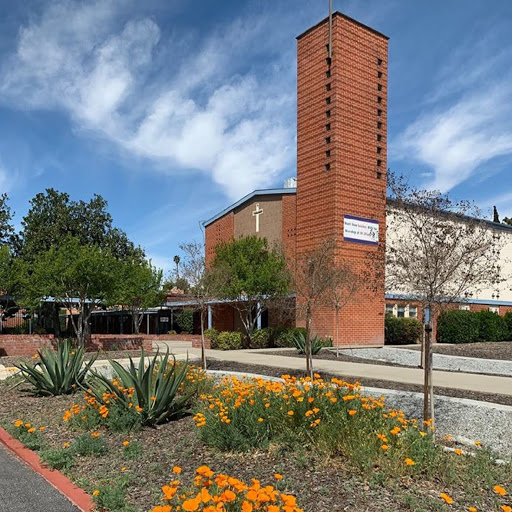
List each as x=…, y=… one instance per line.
x=439, y=251
x=194, y=271
x=313, y=274
x=345, y=285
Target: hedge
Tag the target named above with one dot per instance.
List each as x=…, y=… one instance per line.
x=458, y=326
x=492, y=327
x=185, y=321
x=402, y=331
x=227, y=340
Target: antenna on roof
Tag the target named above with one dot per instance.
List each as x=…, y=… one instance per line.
x=330, y=31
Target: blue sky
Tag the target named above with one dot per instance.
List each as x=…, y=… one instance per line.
x=172, y=110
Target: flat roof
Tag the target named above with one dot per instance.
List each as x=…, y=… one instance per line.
x=254, y=193
x=338, y=13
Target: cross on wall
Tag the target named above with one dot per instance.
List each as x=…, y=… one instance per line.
x=256, y=213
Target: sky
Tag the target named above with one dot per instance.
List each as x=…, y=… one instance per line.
x=174, y=109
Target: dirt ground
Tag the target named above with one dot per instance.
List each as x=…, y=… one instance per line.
x=500, y=350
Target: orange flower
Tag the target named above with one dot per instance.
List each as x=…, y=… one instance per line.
x=246, y=507
x=277, y=476
x=41, y=428
x=352, y=412
x=261, y=420
x=95, y=434
x=65, y=444
x=499, y=490
x=458, y=451
x=446, y=498
x=478, y=443
x=472, y=509
x=126, y=443
x=290, y=413
x=385, y=447
x=506, y=508
x=228, y=495
x=31, y=430
x=192, y=504
x=176, y=470
x=409, y=462
x=96, y=493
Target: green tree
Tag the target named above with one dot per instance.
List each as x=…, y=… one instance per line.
x=140, y=287
x=6, y=228
x=250, y=275
x=77, y=276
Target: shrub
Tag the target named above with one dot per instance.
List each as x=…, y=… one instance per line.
x=89, y=444
x=508, y=321
x=151, y=389
x=112, y=496
x=283, y=336
x=402, y=331
x=185, y=321
x=317, y=343
x=28, y=434
x=57, y=373
x=227, y=340
x=260, y=338
x=492, y=327
x=211, y=334
x=457, y=326
x=172, y=332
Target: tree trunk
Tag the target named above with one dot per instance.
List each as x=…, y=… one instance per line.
x=337, y=332
x=136, y=322
x=203, y=348
x=427, y=384
x=55, y=320
x=307, y=348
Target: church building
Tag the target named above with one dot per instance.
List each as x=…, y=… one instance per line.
x=340, y=190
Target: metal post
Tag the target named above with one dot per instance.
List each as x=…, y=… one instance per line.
x=147, y=323
x=210, y=317
x=258, y=312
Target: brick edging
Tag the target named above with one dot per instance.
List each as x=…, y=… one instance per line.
x=64, y=485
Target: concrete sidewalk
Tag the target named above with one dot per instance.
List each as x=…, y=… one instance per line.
x=466, y=381
x=23, y=490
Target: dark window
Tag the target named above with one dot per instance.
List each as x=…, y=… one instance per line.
x=328, y=126
x=379, y=74
x=379, y=137
x=379, y=99
x=379, y=125
x=328, y=87
x=328, y=153
x=379, y=87
x=327, y=113
x=328, y=74
x=328, y=100
x=379, y=175
x=379, y=62
x=379, y=150
x=327, y=167
x=327, y=140
x=379, y=112
x=379, y=163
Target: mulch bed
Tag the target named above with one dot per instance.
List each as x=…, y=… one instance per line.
x=500, y=350
x=374, y=383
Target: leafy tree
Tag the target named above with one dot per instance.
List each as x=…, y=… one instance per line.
x=76, y=276
x=439, y=251
x=6, y=228
x=140, y=287
x=250, y=275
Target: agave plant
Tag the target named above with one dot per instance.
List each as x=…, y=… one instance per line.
x=57, y=373
x=317, y=343
x=151, y=387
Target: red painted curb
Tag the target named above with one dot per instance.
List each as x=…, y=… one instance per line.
x=64, y=485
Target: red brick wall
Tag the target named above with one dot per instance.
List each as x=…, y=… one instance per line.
x=351, y=185
x=223, y=317
x=289, y=224
x=221, y=230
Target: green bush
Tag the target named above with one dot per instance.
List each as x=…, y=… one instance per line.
x=260, y=338
x=59, y=458
x=508, y=321
x=87, y=445
x=317, y=343
x=172, y=332
x=112, y=496
x=492, y=327
x=457, y=326
x=211, y=334
x=402, y=331
x=57, y=373
x=283, y=336
x=185, y=321
x=227, y=340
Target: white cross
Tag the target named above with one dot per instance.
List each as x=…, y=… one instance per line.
x=256, y=213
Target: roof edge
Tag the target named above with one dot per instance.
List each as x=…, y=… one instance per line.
x=338, y=13
x=254, y=193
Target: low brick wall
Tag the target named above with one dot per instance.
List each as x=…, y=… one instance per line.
x=196, y=343
x=29, y=344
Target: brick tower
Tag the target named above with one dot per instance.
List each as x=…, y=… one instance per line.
x=341, y=163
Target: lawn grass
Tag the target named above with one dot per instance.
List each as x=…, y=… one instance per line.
x=128, y=469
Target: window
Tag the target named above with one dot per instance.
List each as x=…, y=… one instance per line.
x=379, y=87
x=494, y=309
x=328, y=153
x=379, y=175
x=379, y=74
x=400, y=312
x=328, y=100
x=379, y=125
x=327, y=113
x=379, y=137
x=413, y=312
x=379, y=62
x=379, y=99
x=464, y=307
x=379, y=112
x=328, y=87
x=390, y=309
x=328, y=74
x=328, y=127
x=379, y=163
x=327, y=167
x=379, y=150
x=327, y=140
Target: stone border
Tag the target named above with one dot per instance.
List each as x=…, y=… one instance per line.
x=74, y=494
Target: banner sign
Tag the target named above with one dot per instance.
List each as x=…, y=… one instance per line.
x=363, y=231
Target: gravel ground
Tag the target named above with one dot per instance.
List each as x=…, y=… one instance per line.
x=501, y=350
x=441, y=361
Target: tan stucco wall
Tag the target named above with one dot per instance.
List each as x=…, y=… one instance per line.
x=271, y=219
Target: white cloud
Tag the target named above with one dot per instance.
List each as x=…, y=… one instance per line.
x=456, y=140
x=197, y=114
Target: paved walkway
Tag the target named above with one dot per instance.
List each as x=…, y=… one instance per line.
x=23, y=490
x=466, y=381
